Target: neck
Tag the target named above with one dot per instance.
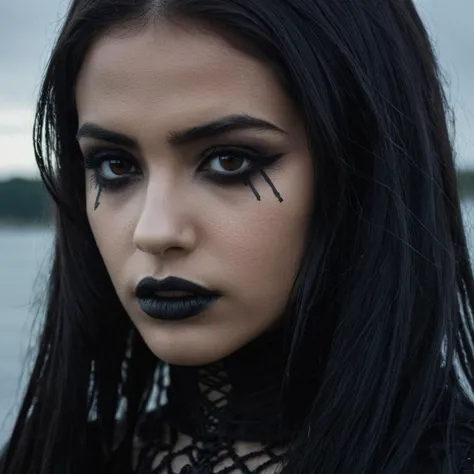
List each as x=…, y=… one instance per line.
x=241, y=397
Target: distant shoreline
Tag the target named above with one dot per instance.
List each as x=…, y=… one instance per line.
x=25, y=203
x=26, y=229
x=20, y=225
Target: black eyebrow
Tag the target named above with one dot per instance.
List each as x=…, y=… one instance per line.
x=92, y=130
x=199, y=132
x=221, y=126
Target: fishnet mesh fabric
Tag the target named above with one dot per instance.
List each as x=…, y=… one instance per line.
x=178, y=453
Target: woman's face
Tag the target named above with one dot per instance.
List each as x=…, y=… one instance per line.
x=165, y=209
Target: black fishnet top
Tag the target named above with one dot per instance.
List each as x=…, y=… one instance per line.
x=225, y=418
x=204, y=441
x=233, y=417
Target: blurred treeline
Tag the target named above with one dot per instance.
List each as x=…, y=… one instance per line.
x=26, y=202
x=466, y=183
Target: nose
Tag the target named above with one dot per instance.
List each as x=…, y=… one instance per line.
x=165, y=222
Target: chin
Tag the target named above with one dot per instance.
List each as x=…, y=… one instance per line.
x=196, y=341
x=191, y=349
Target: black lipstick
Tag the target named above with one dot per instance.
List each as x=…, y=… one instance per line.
x=173, y=308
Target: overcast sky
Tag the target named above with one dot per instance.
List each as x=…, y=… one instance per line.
x=28, y=28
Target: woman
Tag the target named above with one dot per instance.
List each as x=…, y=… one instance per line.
x=306, y=310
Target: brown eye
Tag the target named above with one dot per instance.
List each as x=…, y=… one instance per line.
x=119, y=167
x=228, y=163
x=109, y=170
x=231, y=163
x=116, y=168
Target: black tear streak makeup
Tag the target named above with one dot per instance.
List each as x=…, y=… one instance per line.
x=252, y=187
x=99, y=192
x=269, y=181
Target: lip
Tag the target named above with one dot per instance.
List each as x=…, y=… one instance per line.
x=173, y=308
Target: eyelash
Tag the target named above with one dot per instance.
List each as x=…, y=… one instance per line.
x=258, y=161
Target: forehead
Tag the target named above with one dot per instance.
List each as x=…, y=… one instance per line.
x=175, y=71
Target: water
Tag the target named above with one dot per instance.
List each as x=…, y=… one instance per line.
x=23, y=264
x=24, y=259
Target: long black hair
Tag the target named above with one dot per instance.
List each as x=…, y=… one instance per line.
x=382, y=306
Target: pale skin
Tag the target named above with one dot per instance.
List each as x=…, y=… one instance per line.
x=173, y=220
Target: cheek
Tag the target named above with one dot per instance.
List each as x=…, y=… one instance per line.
x=268, y=248
x=264, y=249
x=113, y=237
